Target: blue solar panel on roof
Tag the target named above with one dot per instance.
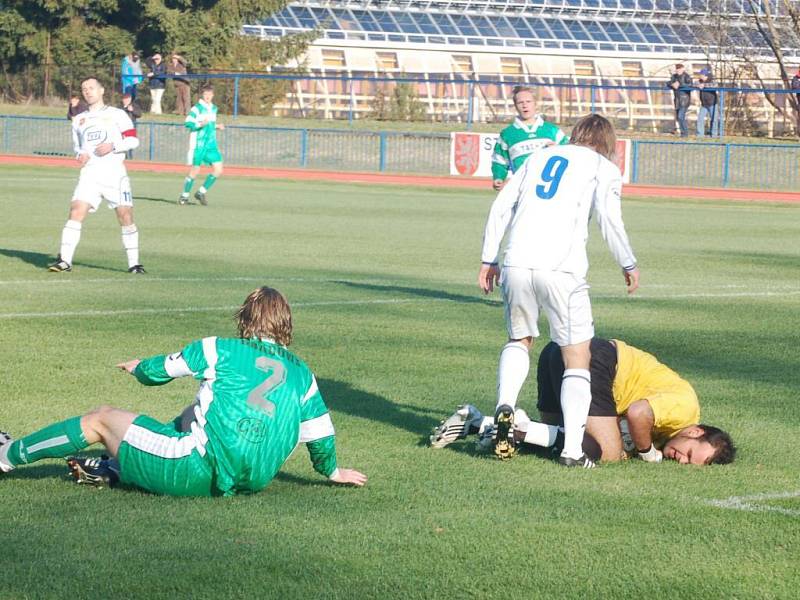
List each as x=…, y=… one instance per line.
x=385, y=21
x=304, y=16
x=577, y=30
x=406, y=23
x=445, y=24
x=504, y=28
x=483, y=25
x=464, y=25
x=367, y=21
x=558, y=29
x=425, y=23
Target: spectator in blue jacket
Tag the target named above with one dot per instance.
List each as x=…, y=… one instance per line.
x=708, y=104
x=131, y=75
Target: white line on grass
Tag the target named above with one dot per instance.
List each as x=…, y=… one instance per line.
x=792, y=291
x=755, y=503
x=196, y=309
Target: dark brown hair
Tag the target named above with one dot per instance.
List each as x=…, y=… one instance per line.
x=722, y=443
x=265, y=314
x=597, y=133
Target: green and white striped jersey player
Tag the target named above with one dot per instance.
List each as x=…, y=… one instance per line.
x=203, y=150
x=257, y=401
x=526, y=135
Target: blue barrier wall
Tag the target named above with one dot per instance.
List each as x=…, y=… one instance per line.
x=711, y=164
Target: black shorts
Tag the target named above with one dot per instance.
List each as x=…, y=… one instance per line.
x=603, y=369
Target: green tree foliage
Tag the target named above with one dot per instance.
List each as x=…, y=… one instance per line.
x=401, y=104
x=46, y=46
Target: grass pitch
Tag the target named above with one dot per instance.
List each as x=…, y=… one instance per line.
x=386, y=310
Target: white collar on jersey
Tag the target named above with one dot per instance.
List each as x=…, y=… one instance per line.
x=537, y=122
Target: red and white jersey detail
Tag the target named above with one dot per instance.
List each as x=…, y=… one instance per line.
x=109, y=124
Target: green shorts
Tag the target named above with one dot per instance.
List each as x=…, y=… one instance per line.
x=156, y=457
x=206, y=156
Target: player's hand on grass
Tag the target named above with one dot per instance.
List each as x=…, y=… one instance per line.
x=348, y=477
x=498, y=184
x=129, y=366
x=631, y=280
x=104, y=148
x=488, y=277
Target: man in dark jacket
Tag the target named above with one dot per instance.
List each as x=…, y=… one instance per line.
x=680, y=83
x=157, y=82
x=134, y=111
x=708, y=104
x=76, y=106
x=796, y=84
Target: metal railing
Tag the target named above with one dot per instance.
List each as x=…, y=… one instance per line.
x=711, y=164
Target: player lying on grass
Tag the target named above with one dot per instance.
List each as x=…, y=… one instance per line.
x=256, y=402
x=639, y=407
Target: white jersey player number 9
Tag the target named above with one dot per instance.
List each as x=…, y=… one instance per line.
x=551, y=177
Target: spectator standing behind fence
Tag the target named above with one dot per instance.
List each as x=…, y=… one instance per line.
x=680, y=82
x=528, y=133
x=76, y=106
x=796, y=84
x=708, y=104
x=183, y=96
x=157, y=82
x=131, y=75
x=134, y=111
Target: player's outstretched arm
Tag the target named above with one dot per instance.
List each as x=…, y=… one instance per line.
x=129, y=366
x=348, y=477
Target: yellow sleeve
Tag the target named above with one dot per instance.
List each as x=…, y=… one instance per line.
x=674, y=408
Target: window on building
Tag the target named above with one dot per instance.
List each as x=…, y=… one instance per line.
x=387, y=61
x=584, y=68
x=632, y=69
x=333, y=58
x=511, y=65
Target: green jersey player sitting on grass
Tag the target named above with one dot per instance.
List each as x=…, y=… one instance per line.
x=203, y=149
x=527, y=134
x=256, y=402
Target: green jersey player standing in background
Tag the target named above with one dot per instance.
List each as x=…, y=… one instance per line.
x=528, y=133
x=257, y=401
x=203, y=149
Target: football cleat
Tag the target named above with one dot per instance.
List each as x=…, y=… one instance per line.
x=5, y=442
x=201, y=197
x=98, y=472
x=183, y=200
x=456, y=426
x=60, y=266
x=504, y=444
x=486, y=439
x=583, y=462
x=137, y=269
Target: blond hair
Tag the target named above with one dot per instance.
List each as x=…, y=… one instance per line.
x=518, y=89
x=597, y=133
x=265, y=314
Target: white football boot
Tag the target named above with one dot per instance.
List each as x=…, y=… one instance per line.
x=456, y=427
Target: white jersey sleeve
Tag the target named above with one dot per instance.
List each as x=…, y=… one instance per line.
x=500, y=215
x=608, y=212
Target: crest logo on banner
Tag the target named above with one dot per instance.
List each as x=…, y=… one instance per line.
x=467, y=153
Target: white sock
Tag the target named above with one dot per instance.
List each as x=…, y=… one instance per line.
x=202, y=189
x=130, y=241
x=576, y=396
x=512, y=372
x=70, y=236
x=539, y=434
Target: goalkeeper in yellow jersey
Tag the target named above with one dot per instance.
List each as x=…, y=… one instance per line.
x=640, y=407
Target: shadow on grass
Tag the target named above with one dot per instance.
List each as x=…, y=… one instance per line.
x=150, y=199
x=48, y=471
x=343, y=397
x=424, y=293
x=41, y=260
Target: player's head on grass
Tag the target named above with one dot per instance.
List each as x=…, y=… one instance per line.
x=265, y=314
x=92, y=90
x=597, y=133
x=701, y=445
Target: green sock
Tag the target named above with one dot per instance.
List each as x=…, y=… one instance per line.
x=187, y=186
x=209, y=182
x=54, y=441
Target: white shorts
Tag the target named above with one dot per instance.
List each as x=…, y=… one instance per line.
x=563, y=297
x=114, y=187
